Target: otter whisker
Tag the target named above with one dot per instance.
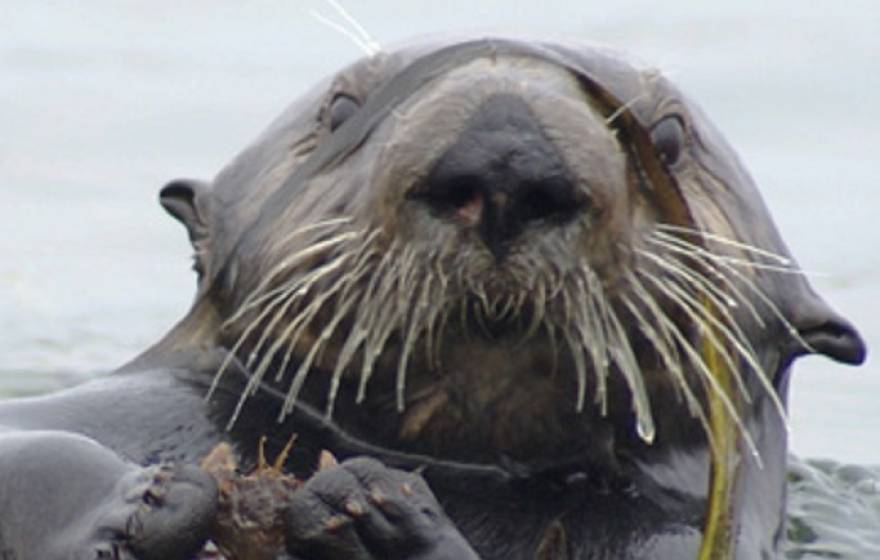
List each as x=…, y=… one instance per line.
x=281, y=299
x=602, y=335
x=316, y=248
x=436, y=310
x=719, y=297
x=539, y=303
x=674, y=364
x=257, y=297
x=699, y=315
x=368, y=49
x=621, y=351
x=364, y=35
x=293, y=331
x=359, y=331
x=479, y=290
x=388, y=311
x=730, y=327
x=625, y=107
x=706, y=374
x=442, y=320
x=696, y=359
x=743, y=348
x=753, y=287
x=668, y=353
x=735, y=260
x=317, y=346
x=554, y=347
x=592, y=340
x=596, y=351
x=689, y=279
x=519, y=302
x=567, y=307
x=502, y=306
x=406, y=271
x=305, y=366
x=440, y=315
x=299, y=322
x=710, y=267
x=580, y=366
x=296, y=290
x=726, y=241
x=410, y=340
x=599, y=339
x=559, y=284
x=463, y=320
x=479, y=316
x=761, y=266
x=347, y=298
x=312, y=227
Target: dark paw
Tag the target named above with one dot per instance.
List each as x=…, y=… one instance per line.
x=362, y=510
x=158, y=513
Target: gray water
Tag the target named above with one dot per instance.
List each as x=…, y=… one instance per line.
x=101, y=102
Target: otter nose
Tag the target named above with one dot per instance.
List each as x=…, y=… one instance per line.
x=502, y=174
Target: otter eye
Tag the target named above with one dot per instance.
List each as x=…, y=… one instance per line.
x=341, y=109
x=668, y=138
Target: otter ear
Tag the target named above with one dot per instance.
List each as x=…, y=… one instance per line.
x=187, y=200
x=828, y=333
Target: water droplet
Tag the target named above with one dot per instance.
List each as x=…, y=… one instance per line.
x=645, y=428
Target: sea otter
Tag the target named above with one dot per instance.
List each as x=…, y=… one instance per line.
x=524, y=291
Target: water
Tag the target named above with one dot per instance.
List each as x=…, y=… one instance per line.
x=101, y=102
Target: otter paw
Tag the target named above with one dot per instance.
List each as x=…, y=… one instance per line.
x=158, y=512
x=363, y=510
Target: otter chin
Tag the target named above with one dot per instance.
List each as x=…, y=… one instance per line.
x=532, y=272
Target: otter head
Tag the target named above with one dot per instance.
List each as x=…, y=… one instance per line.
x=502, y=249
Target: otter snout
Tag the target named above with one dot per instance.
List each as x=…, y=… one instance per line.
x=501, y=175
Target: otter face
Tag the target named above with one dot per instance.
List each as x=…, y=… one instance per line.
x=505, y=248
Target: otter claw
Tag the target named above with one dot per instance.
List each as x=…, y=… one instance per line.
x=362, y=509
x=173, y=509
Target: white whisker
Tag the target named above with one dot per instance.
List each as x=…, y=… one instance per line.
x=415, y=323
x=625, y=107
x=753, y=287
x=257, y=297
x=706, y=374
x=736, y=260
x=580, y=367
x=664, y=346
x=362, y=32
x=621, y=351
x=357, y=34
x=710, y=266
x=780, y=259
x=699, y=315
